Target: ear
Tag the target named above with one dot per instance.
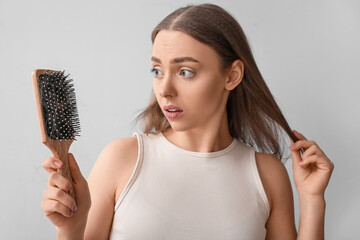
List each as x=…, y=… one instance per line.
x=234, y=75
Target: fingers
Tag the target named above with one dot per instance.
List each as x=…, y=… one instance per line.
x=296, y=156
x=310, y=159
x=56, y=198
x=311, y=151
x=51, y=164
x=310, y=147
x=297, y=148
x=321, y=163
x=64, y=199
x=50, y=206
x=299, y=135
x=302, y=144
x=312, y=154
x=57, y=180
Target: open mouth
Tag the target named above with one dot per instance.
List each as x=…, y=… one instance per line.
x=172, y=114
x=173, y=110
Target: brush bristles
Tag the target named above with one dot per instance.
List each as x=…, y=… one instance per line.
x=59, y=106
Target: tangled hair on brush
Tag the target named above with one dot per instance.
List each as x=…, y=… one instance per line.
x=253, y=115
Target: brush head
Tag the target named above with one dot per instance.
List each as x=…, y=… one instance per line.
x=58, y=105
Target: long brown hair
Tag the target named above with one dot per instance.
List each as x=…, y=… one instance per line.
x=253, y=114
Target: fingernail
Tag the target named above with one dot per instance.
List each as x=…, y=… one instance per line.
x=74, y=208
x=70, y=191
x=57, y=163
x=70, y=213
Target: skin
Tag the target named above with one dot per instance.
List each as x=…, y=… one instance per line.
x=201, y=90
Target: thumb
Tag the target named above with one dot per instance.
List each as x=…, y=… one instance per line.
x=74, y=169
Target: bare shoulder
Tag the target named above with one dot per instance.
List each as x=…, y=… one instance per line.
x=272, y=172
x=119, y=151
x=121, y=155
x=276, y=182
x=117, y=160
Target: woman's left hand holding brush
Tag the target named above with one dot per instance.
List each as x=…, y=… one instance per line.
x=68, y=216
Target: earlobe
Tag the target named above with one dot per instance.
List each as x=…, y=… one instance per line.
x=235, y=75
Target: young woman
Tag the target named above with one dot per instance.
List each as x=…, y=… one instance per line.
x=194, y=172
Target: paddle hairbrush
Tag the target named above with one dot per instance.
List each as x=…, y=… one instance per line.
x=57, y=114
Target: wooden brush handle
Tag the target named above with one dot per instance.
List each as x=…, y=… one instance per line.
x=65, y=170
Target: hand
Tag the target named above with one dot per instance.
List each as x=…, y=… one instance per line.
x=312, y=169
x=68, y=216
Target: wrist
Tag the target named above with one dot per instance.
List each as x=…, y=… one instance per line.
x=310, y=204
x=304, y=197
x=312, y=216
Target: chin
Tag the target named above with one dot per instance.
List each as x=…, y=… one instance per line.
x=180, y=127
x=177, y=128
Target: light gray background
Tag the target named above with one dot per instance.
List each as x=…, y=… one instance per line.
x=307, y=51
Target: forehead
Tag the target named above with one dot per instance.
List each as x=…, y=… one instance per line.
x=172, y=44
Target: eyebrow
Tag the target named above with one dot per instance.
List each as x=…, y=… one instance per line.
x=176, y=60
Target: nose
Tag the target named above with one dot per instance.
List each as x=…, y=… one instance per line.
x=166, y=86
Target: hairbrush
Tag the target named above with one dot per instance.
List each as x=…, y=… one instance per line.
x=57, y=114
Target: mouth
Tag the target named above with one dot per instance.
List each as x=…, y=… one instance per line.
x=172, y=112
x=172, y=115
x=172, y=108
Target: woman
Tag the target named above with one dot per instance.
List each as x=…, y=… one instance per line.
x=194, y=174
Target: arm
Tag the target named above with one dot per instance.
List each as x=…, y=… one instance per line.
x=276, y=182
x=108, y=177
x=312, y=215
x=312, y=171
x=310, y=186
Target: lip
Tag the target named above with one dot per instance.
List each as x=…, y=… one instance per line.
x=172, y=115
x=167, y=107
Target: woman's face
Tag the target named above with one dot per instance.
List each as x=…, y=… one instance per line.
x=187, y=76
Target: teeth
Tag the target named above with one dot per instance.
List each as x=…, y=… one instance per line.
x=172, y=110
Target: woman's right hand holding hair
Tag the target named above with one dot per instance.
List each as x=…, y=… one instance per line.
x=68, y=216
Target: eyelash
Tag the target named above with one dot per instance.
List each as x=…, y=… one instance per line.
x=152, y=70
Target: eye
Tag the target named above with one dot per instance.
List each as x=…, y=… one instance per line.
x=156, y=72
x=186, y=73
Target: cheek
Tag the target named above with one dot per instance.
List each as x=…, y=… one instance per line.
x=157, y=97
x=156, y=91
x=205, y=95
x=154, y=88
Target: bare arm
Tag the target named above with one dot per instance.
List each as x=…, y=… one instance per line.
x=275, y=179
x=106, y=181
x=312, y=217
x=312, y=171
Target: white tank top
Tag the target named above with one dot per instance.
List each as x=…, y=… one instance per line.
x=179, y=194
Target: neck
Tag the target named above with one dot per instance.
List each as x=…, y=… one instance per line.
x=208, y=138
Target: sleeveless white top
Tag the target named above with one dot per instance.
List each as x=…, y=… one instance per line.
x=174, y=193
